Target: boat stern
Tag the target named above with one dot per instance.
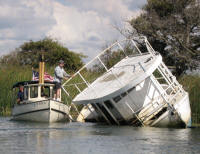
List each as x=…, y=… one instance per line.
x=183, y=109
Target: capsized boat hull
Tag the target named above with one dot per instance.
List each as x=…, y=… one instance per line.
x=180, y=116
x=137, y=90
x=88, y=114
x=41, y=111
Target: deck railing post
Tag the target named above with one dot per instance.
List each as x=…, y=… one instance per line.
x=121, y=48
x=77, y=88
x=83, y=79
x=113, y=103
x=103, y=64
x=152, y=51
x=110, y=113
x=136, y=47
x=66, y=93
x=161, y=94
x=102, y=114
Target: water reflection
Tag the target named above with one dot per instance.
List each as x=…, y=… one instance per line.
x=23, y=137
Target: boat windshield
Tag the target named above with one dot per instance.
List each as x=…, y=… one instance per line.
x=45, y=91
x=25, y=93
x=33, y=91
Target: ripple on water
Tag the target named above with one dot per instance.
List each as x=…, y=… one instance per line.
x=84, y=138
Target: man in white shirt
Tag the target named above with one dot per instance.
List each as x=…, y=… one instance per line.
x=59, y=75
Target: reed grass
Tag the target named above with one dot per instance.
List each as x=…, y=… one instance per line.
x=9, y=75
x=191, y=83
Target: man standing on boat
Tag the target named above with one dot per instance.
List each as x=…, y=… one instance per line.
x=59, y=75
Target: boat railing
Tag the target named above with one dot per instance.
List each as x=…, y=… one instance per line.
x=171, y=83
x=98, y=60
x=167, y=97
x=73, y=88
x=156, y=105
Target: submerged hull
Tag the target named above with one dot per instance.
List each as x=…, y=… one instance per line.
x=42, y=111
x=138, y=109
x=137, y=90
x=181, y=117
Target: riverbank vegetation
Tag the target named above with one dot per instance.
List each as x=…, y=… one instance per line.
x=191, y=83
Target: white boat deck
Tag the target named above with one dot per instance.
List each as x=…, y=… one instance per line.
x=124, y=75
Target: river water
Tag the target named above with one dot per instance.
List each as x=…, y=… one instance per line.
x=90, y=138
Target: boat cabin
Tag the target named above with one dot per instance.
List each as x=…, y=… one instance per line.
x=34, y=91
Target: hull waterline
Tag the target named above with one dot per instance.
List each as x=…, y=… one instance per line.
x=42, y=111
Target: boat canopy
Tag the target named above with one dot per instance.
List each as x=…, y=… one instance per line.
x=29, y=82
x=116, y=69
x=123, y=76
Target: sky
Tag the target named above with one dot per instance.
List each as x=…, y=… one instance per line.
x=83, y=26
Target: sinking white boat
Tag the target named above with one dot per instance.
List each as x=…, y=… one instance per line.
x=137, y=90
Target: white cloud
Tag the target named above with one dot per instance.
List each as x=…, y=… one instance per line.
x=23, y=20
x=41, y=8
x=8, y=45
x=7, y=32
x=82, y=26
x=79, y=29
x=87, y=28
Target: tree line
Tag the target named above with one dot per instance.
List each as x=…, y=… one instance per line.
x=28, y=55
x=173, y=29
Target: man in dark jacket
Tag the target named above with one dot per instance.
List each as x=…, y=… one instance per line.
x=20, y=94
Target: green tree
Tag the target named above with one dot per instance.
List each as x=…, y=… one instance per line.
x=172, y=27
x=29, y=52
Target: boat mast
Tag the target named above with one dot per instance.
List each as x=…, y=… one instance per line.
x=41, y=69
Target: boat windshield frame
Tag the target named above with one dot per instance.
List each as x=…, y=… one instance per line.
x=29, y=96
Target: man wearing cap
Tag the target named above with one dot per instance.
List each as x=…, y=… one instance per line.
x=59, y=75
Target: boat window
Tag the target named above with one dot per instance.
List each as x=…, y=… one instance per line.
x=117, y=99
x=25, y=93
x=45, y=91
x=124, y=94
x=109, y=104
x=147, y=60
x=33, y=91
x=130, y=89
